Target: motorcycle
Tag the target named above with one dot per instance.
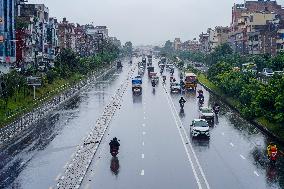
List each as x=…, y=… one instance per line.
x=114, y=151
x=216, y=109
x=181, y=106
x=273, y=157
x=201, y=101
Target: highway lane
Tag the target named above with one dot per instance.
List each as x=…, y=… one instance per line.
x=37, y=158
x=234, y=157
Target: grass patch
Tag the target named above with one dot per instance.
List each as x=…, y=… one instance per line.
x=20, y=103
x=275, y=128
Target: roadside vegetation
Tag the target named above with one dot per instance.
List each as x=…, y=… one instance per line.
x=256, y=100
x=16, y=97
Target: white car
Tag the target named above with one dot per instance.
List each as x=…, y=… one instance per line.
x=169, y=66
x=207, y=114
x=199, y=127
x=175, y=87
x=267, y=72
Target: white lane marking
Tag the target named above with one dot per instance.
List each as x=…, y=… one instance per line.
x=187, y=139
x=143, y=133
x=142, y=156
x=143, y=125
x=142, y=172
x=186, y=150
x=232, y=144
x=242, y=156
x=58, y=177
x=143, y=144
x=223, y=133
x=256, y=173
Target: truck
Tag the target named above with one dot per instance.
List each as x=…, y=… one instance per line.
x=190, y=81
x=137, y=85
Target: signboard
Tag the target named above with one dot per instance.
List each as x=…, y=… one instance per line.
x=34, y=81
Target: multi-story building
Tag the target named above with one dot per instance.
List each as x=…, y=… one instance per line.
x=52, y=38
x=177, y=44
x=66, y=35
x=191, y=45
x=214, y=38
x=7, y=31
x=36, y=25
x=204, y=42
x=115, y=41
x=255, y=26
x=102, y=30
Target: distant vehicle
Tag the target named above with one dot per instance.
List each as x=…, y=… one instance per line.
x=169, y=66
x=199, y=127
x=267, y=72
x=155, y=77
x=278, y=72
x=175, y=87
x=249, y=68
x=18, y=69
x=149, y=59
x=119, y=65
x=207, y=114
x=150, y=69
x=161, y=65
x=190, y=81
x=163, y=60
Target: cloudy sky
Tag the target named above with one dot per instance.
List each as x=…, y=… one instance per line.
x=146, y=21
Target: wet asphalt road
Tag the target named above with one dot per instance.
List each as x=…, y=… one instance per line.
x=154, y=150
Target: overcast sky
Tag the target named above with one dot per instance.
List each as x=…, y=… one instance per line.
x=146, y=21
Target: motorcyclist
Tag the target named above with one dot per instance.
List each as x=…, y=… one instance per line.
x=153, y=83
x=164, y=78
x=200, y=92
x=271, y=148
x=171, y=78
x=182, y=84
x=216, y=107
x=181, y=102
x=114, y=144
